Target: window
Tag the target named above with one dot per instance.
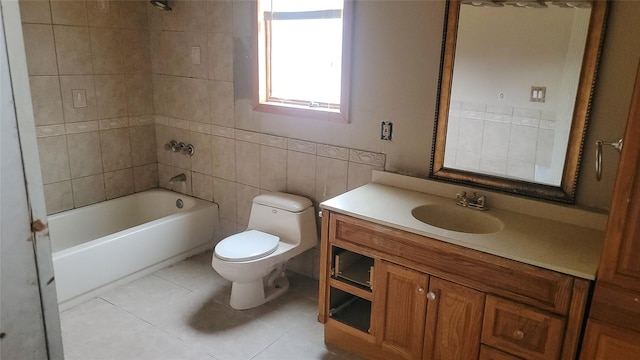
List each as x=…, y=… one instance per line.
x=303, y=58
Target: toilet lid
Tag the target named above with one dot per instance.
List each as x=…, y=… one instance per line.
x=245, y=246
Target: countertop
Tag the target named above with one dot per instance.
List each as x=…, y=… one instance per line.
x=553, y=245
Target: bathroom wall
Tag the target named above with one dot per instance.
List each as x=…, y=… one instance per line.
x=91, y=87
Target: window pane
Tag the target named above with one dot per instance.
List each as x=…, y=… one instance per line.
x=306, y=60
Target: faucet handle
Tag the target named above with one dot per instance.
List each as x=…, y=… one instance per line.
x=461, y=195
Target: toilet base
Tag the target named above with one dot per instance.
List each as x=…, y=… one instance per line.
x=252, y=294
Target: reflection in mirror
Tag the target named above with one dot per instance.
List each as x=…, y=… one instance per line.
x=515, y=91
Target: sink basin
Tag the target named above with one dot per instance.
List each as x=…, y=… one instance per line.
x=457, y=218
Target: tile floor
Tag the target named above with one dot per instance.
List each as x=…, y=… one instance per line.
x=182, y=313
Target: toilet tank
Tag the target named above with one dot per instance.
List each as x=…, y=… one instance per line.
x=290, y=217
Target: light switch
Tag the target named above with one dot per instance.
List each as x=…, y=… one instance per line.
x=195, y=55
x=538, y=93
x=79, y=98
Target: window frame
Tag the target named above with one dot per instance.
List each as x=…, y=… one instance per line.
x=291, y=108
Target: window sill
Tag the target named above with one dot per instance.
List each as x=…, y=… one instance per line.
x=333, y=115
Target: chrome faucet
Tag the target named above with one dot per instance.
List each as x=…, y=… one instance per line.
x=474, y=202
x=175, y=179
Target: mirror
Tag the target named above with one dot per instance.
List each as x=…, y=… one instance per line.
x=515, y=90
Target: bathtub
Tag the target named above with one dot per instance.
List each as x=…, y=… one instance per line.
x=104, y=245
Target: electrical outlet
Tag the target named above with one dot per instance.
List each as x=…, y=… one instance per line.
x=386, y=130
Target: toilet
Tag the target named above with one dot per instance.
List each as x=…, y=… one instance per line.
x=280, y=227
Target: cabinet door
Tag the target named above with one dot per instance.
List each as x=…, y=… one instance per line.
x=399, y=306
x=454, y=321
x=603, y=342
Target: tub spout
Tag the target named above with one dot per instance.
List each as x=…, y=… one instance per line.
x=175, y=179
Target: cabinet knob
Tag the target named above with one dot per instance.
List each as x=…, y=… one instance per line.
x=420, y=290
x=431, y=296
x=518, y=334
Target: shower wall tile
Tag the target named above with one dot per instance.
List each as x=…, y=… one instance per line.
x=163, y=137
x=366, y=157
x=85, y=84
x=220, y=46
x=301, y=146
x=133, y=14
x=359, y=174
x=85, y=155
x=67, y=12
x=202, y=159
x=88, y=190
x=115, y=123
x=143, y=141
x=145, y=177
x=224, y=194
x=82, y=127
x=301, y=173
x=35, y=11
x=222, y=103
x=54, y=160
x=249, y=136
x=118, y=183
x=49, y=130
x=273, y=141
x=46, y=99
x=273, y=168
x=40, y=49
x=331, y=178
x=116, y=149
x=106, y=51
x=135, y=50
x=111, y=96
x=197, y=48
x=73, y=50
x=58, y=197
x=202, y=186
x=104, y=13
x=248, y=168
x=245, y=195
x=334, y=152
x=224, y=158
x=197, y=100
x=196, y=15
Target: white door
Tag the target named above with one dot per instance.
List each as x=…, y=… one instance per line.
x=29, y=319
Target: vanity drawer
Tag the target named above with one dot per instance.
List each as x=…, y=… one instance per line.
x=489, y=353
x=524, y=283
x=521, y=330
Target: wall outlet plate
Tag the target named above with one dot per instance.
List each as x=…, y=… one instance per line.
x=386, y=130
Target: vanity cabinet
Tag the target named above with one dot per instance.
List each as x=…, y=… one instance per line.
x=423, y=298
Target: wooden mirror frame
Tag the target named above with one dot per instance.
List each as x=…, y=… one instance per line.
x=564, y=193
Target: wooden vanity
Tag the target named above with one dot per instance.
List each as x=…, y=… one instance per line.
x=386, y=293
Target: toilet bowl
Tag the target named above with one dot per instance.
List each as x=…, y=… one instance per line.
x=280, y=227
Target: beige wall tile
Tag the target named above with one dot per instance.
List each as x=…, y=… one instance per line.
x=301, y=174
x=202, y=186
x=224, y=158
x=145, y=177
x=88, y=190
x=40, y=49
x=224, y=194
x=85, y=155
x=196, y=16
x=359, y=174
x=111, y=96
x=65, y=12
x=244, y=200
x=54, y=161
x=176, y=99
x=202, y=159
x=331, y=178
x=222, y=103
x=118, y=183
x=133, y=14
x=143, y=142
x=273, y=168
x=68, y=84
x=160, y=94
x=73, y=50
x=197, y=100
x=135, y=50
x=35, y=11
x=116, y=149
x=220, y=14
x=303, y=263
x=139, y=89
x=173, y=20
x=176, y=53
x=104, y=13
x=46, y=99
x=58, y=197
x=220, y=56
x=248, y=163
x=106, y=51
x=163, y=136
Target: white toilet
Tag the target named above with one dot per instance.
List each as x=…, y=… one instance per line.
x=280, y=227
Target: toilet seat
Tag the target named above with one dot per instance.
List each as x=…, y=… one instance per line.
x=246, y=246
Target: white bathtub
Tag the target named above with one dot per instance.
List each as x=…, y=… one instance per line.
x=113, y=242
